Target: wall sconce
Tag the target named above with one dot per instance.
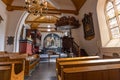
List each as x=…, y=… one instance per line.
x=1, y=19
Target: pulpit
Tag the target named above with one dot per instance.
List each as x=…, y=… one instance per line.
x=25, y=47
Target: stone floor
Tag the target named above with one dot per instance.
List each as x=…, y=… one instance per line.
x=44, y=71
x=46, y=68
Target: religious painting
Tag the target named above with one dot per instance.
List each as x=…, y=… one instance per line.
x=88, y=26
x=52, y=41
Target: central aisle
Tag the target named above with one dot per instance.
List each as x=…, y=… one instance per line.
x=44, y=71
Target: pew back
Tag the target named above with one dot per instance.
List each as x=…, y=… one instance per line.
x=99, y=72
x=12, y=70
x=86, y=63
x=59, y=60
x=62, y=60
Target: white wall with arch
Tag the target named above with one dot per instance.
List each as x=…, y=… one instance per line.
x=15, y=23
x=90, y=46
x=3, y=25
x=102, y=22
x=20, y=24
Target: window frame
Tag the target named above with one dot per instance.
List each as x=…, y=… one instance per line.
x=116, y=16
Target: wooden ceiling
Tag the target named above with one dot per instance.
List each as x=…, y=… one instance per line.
x=53, y=12
x=77, y=3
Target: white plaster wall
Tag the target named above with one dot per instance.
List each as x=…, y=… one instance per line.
x=91, y=46
x=3, y=14
x=13, y=19
x=102, y=22
x=19, y=26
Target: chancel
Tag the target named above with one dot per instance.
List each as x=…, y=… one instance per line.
x=59, y=39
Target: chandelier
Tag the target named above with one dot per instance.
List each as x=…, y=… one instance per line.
x=36, y=7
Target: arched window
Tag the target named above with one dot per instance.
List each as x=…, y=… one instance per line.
x=112, y=12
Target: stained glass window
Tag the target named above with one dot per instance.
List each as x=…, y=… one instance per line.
x=113, y=23
x=117, y=2
x=112, y=12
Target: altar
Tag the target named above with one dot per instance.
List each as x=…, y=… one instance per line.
x=51, y=52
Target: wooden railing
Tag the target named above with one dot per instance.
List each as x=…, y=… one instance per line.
x=69, y=44
x=76, y=49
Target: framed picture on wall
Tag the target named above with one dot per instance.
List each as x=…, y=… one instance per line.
x=88, y=26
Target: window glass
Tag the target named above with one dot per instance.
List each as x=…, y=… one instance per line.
x=112, y=17
x=111, y=13
x=119, y=18
x=113, y=23
x=115, y=32
x=117, y=2
x=118, y=8
x=109, y=6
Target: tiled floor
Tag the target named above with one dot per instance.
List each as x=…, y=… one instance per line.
x=44, y=71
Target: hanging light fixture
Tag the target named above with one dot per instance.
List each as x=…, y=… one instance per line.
x=36, y=7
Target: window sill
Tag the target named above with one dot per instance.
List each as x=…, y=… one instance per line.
x=113, y=43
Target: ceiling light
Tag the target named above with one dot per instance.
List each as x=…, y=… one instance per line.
x=48, y=30
x=48, y=26
x=36, y=7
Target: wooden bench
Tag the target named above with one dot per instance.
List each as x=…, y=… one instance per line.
x=61, y=60
x=30, y=63
x=85, y=63
x=58, y=60
x=99, y=72
x=8, y=57
x=12, y=70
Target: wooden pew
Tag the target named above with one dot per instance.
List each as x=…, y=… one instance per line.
x=6, y=56
x=61, y=60
x=99, y=72
x=58, y=60
x=85, y=63
x=12, y=70
x=3, y=52
x=30, y=63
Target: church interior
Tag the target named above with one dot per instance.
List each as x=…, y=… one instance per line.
x=59, y=39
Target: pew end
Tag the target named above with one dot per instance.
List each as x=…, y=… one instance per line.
x=12, y=70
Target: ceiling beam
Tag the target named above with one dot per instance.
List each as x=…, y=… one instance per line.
x=45, y=27
x=40, y=22
x=8, y=2
x=59, y=11
x=50, y=31
x=63, y=11
x=78, y=4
